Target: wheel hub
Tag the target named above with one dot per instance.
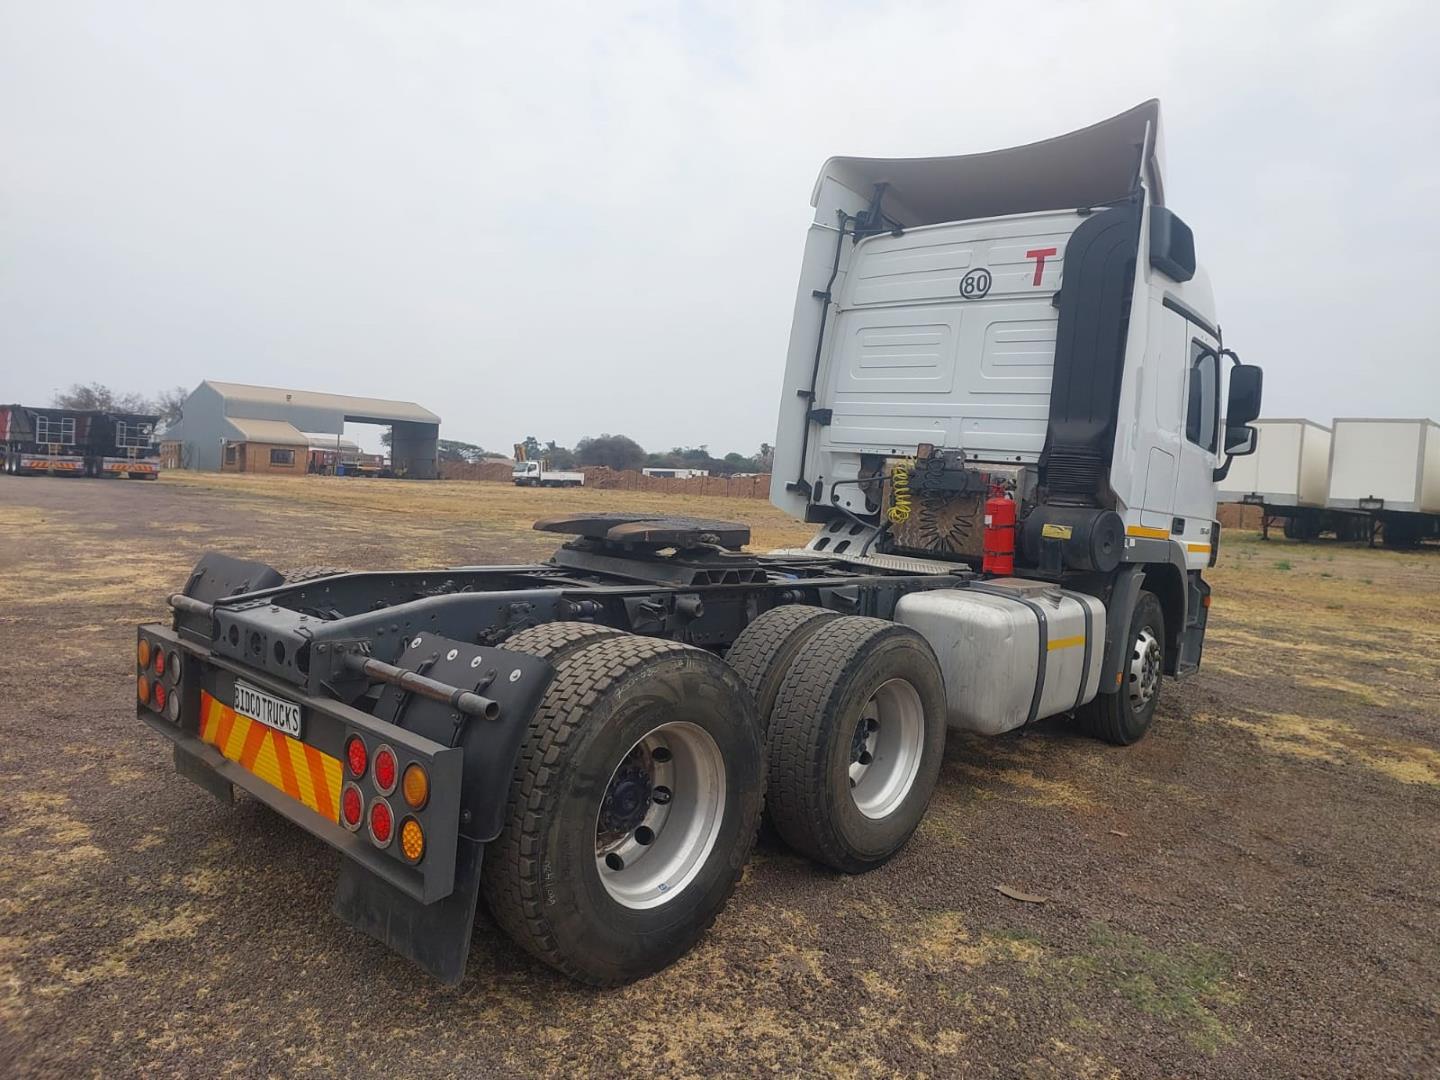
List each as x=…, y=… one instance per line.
x=1145, y=666
x=627, y=799
x=660, y=815
x=886, y=748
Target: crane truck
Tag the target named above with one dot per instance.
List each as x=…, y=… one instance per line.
x=1005, y=406
x=533, y=472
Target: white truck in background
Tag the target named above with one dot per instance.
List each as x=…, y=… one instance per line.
x=1005, y=408
x=535, y=474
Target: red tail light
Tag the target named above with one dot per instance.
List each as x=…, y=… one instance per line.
x=382, y=822
x=352, y=807
x=356, y=756
x=387, y=770
x=160, y=694
x=159, y=661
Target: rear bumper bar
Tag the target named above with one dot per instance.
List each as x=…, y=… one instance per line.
x=327, y=725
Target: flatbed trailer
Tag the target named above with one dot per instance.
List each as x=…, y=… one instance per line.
x=38, y=441
x=588, y=742
x=56, y=441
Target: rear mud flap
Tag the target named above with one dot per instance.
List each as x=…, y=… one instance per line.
x=435, y=936
x=197, y=772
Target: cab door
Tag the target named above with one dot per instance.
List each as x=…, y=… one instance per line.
x=1199, y=445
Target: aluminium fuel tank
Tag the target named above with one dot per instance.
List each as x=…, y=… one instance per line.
x=1011, y=650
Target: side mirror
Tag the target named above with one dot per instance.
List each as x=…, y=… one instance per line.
x=1241, y=441
x=1172, y=245
x=1246, y=384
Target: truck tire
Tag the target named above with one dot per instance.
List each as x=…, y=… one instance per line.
x=765, y=649
x=557, y=640
x=593, y=872
x=856, y=740
x=1125, y=716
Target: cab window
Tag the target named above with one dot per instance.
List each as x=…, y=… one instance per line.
x=1203, y=396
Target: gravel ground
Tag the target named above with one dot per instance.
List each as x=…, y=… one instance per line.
x=1252, y=890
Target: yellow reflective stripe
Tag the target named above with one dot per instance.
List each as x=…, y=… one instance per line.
x=1147, y=532
x=1201, y=548
x=314, y=776
x=1065, y=642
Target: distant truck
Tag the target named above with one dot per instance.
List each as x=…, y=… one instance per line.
x=529, y=472
x=122, y=445
x=41, y=441
x=78, y=442
x=535, y=474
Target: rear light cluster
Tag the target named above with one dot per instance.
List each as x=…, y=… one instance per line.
x=378, y=816
x=157, y=678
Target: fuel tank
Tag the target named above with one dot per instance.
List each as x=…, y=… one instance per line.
x=1011, y=650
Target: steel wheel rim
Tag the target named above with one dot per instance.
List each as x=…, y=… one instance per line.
x=886, y=748
x=660, y=815
x=1144, y=668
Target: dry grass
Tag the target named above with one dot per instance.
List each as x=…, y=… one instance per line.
x=497, y=506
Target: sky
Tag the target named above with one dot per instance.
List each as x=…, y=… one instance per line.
x=567, y=220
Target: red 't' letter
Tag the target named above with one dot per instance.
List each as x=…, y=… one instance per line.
x=1039, y=255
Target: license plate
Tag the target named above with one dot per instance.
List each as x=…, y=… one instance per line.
x=269, y=710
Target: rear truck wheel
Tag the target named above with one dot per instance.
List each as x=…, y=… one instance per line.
x=633, y=809
x=856, y=739
x=557, y=640
x=1126, y=715
x=766, y=648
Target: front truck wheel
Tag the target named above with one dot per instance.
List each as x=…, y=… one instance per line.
x=1126, y=715
x=633, y=809
x=856, y=740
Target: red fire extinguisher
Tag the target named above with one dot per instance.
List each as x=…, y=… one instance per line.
x=999, y=541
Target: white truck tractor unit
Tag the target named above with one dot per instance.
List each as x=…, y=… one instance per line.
x=1004, y=408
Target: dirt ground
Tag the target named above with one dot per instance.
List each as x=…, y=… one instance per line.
x=1253, y=890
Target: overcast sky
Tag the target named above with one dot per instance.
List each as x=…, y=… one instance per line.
x=559, y=221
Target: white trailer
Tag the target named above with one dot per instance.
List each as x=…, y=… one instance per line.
x=1389, y=469
x=1288, y=477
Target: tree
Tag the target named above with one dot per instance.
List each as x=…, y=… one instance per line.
x=532, y=448
x=168, y=403
x=611, y=451
x=765, y=459
x=560, y=457
x=99, y=397
x=455, y=450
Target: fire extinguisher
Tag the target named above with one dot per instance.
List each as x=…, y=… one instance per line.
x=999, y=541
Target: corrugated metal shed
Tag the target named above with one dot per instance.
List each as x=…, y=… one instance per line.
x=377, y=410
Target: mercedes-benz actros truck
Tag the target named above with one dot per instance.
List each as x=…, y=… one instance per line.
x=1005, y=406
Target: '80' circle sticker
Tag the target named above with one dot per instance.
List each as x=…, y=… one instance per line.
x=975, y=283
